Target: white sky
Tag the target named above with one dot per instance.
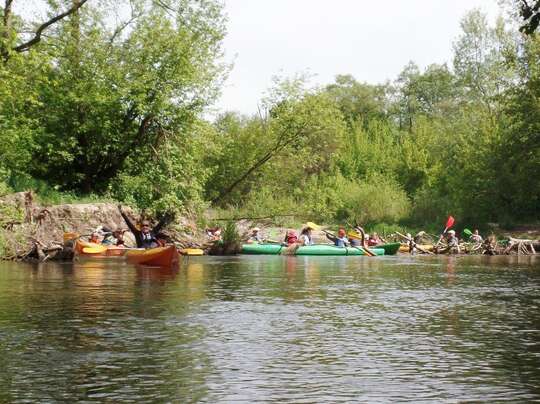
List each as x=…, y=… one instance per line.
x=372, y=40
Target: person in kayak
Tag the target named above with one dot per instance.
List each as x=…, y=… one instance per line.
x=373, y=240
x=146, y=236
x=94, y=238
x=476, y=237
x=291, y=237
x=305, y=236
x=452, y=241
x=255, y=236
x=340, y=240
x=119, y=238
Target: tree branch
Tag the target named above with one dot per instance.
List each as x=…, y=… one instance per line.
x=37, y=36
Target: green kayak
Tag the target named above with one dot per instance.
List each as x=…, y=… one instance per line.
x=317, y=249
x=390, y=248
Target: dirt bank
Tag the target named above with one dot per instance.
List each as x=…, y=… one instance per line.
x=25, y=224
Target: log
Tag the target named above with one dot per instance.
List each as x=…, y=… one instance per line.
x=410, y=240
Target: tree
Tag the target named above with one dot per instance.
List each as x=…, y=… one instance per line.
x=530, y=14
x=480, y=55
x=301, y=124
x=359, y=102
x=109, y=102
x=11, y=39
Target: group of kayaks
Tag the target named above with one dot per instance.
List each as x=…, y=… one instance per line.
x=169, y=256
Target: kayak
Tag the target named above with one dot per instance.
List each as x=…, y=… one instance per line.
x=390, y=248
x=191, y=251
x=93, y=250
x=160, y=256
x=317, y=249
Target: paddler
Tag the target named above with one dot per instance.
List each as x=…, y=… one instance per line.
x=452, y=241
x=305, y=236
x=94, y=237
x=373, y=240
x=290, y=237
x=255, y=236
x=476, y=237
x=340, y=240
x=146, y=236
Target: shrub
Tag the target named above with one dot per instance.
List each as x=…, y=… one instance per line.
x=378, y=199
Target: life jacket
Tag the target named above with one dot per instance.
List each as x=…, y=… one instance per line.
x=292, y=239
x=149, y=240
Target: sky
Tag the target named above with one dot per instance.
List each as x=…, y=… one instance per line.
x=371, y=40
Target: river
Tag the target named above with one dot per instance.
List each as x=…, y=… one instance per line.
x=272, y=328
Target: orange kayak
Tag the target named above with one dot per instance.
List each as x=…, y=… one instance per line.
x=161, y=256
x=82, y=248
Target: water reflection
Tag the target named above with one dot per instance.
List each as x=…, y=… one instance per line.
x=272, y=329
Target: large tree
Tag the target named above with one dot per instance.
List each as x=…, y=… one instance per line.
x=119, y=93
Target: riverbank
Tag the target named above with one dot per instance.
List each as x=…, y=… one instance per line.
x=31, y=230
x=27, y=226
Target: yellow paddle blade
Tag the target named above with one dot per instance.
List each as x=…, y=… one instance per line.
x=354, y=235
x=94, y=250
x=313, y=225
x=70, y=236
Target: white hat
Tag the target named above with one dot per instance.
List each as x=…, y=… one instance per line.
x=451, y=232
x=255, y=229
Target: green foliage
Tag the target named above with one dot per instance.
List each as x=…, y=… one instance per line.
x=102, y=104
x=101, y=110
x=377, y=199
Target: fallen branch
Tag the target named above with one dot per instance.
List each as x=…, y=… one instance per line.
x=256, y=218
x=410, y=240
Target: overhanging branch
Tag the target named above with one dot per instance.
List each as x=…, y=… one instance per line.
x=37, y=35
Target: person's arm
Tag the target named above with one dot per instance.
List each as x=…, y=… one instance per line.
x=129, y=223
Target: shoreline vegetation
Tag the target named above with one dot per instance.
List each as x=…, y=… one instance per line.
x=35, y=232
x=99, y=111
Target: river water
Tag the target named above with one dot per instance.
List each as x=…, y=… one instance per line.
x=272, y=328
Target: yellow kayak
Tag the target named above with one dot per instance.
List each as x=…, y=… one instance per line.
x=191, y=251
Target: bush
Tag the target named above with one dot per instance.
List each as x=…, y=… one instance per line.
x=378, y=199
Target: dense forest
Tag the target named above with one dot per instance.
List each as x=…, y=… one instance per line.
x=108, y=98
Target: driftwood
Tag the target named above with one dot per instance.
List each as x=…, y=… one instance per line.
x=46, y=252
x=521, y=246
x=410, y=240
x=233, y=219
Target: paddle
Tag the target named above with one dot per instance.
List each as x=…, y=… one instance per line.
x=366, y=250
x=449, y=223
x=468, y=233
x=414, y=244
x=94, y=250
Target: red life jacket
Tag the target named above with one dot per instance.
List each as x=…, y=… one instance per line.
x=292, y=239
